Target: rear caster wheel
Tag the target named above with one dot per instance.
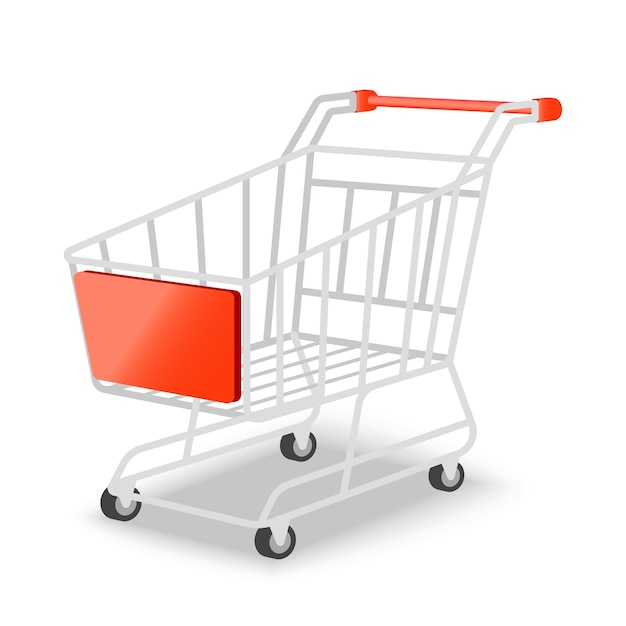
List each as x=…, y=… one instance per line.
x=438, y=480
x=290, y=449
x=266, y=544
x=113, y=509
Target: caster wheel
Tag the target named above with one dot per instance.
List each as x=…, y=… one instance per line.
x=438, y=480
x=267, y=546
x=290, y=449
x=113, y=509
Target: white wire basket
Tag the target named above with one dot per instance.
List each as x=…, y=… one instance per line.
x=348, y=269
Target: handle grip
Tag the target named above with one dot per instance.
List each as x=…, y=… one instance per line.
x=367, y=100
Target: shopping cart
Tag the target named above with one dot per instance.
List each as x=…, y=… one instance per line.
x=210, y=305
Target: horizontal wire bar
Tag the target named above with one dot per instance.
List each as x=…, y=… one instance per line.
x=123, y=390
x=401, y=154
x=195, y=458
x=348, y=184
x=197, y=511
x=377, y=346
x=351, y=297
x=147, y=269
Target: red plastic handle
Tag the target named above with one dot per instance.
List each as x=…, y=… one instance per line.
x=366, y=100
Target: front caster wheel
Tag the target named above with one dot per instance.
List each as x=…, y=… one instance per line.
x=266, y=544
x=290, y=449
x=113, y=509
x=438, y=480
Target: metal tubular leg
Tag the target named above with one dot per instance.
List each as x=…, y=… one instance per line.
x=466, y=409
x=302, y=431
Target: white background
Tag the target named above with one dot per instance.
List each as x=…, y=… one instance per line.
x=109, y=110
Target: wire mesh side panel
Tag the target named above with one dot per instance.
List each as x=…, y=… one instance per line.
x=389, y=296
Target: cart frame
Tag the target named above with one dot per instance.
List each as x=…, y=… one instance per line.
x=473, y=168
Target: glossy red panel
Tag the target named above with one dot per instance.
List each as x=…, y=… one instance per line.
x=184, y=339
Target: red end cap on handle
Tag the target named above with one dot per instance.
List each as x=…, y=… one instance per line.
x=363, y=100
x=549, y=109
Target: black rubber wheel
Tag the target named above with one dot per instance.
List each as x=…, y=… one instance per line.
x=266, y=545
x=438, y=479
x=290, y=449
x=113, y=509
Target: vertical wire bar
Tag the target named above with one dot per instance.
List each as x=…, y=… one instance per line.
x=245, y=257
x=280, y=358
x=245, y=339
x=469, y=262
x=410, y=296
x=200, y=239
x=343, y=254
x=154, y=251
x=367, y=305
x=321, y=376
x=104, y=253
x=441, y=279
x=304, y=228
x=278, y=211
x=193, y=420
x=391, y=224
x=430, y=247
